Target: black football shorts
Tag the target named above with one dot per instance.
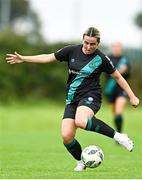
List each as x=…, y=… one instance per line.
x=93, y=103
x=118, y=92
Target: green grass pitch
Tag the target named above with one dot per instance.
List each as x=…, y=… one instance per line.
x=31, y=145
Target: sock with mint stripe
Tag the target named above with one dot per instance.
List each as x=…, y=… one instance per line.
x=99, y=126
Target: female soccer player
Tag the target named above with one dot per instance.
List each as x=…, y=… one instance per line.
x=115, y=94
x=85, y=63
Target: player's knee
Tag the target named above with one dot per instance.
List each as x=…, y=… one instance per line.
x=67, y=137
x=81, y=123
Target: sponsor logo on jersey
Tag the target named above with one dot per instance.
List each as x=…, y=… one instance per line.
x=76, y=72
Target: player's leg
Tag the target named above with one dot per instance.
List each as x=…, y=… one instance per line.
x=99, y=126
x=85, y=119
x=119, y=105
x=68, y=131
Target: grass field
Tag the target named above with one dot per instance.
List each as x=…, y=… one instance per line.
x=31, y=146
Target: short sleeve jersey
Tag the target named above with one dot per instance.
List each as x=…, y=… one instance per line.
x=84, y=71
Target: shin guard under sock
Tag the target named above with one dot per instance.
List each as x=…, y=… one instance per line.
x=74, y=149
x=99, y=126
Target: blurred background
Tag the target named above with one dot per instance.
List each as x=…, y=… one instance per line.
x=33, y=27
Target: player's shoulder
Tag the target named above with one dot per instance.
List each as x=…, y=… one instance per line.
x=106, y=61
x=72, y=47
x=68, y=49
x=64, y=53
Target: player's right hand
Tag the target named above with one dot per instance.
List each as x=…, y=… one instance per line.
x=14, y=58
x=134, y=101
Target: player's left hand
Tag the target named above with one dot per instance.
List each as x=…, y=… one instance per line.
x=134, y=101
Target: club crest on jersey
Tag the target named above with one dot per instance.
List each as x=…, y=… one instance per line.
x=72, y=60
x=89, y=100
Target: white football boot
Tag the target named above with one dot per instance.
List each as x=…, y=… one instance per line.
x=124, y=140
x=80, y=166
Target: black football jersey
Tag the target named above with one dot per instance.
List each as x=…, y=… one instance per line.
x=119, y=61
x=84, y=71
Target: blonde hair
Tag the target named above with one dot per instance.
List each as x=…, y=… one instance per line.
x=92, y=32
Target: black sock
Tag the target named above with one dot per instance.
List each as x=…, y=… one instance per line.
x=99, y=126
x=118, y=120
x=75, y=149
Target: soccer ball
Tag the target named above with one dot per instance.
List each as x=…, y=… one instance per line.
x=92, y=156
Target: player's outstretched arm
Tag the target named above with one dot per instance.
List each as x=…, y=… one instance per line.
x=18, y=58
x=124, y=85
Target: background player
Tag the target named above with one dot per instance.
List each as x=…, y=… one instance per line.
x=115, y=94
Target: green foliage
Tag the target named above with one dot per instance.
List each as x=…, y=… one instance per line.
x=18, y=8
x=138, y=20
x=20, y=13
x=29, y=80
